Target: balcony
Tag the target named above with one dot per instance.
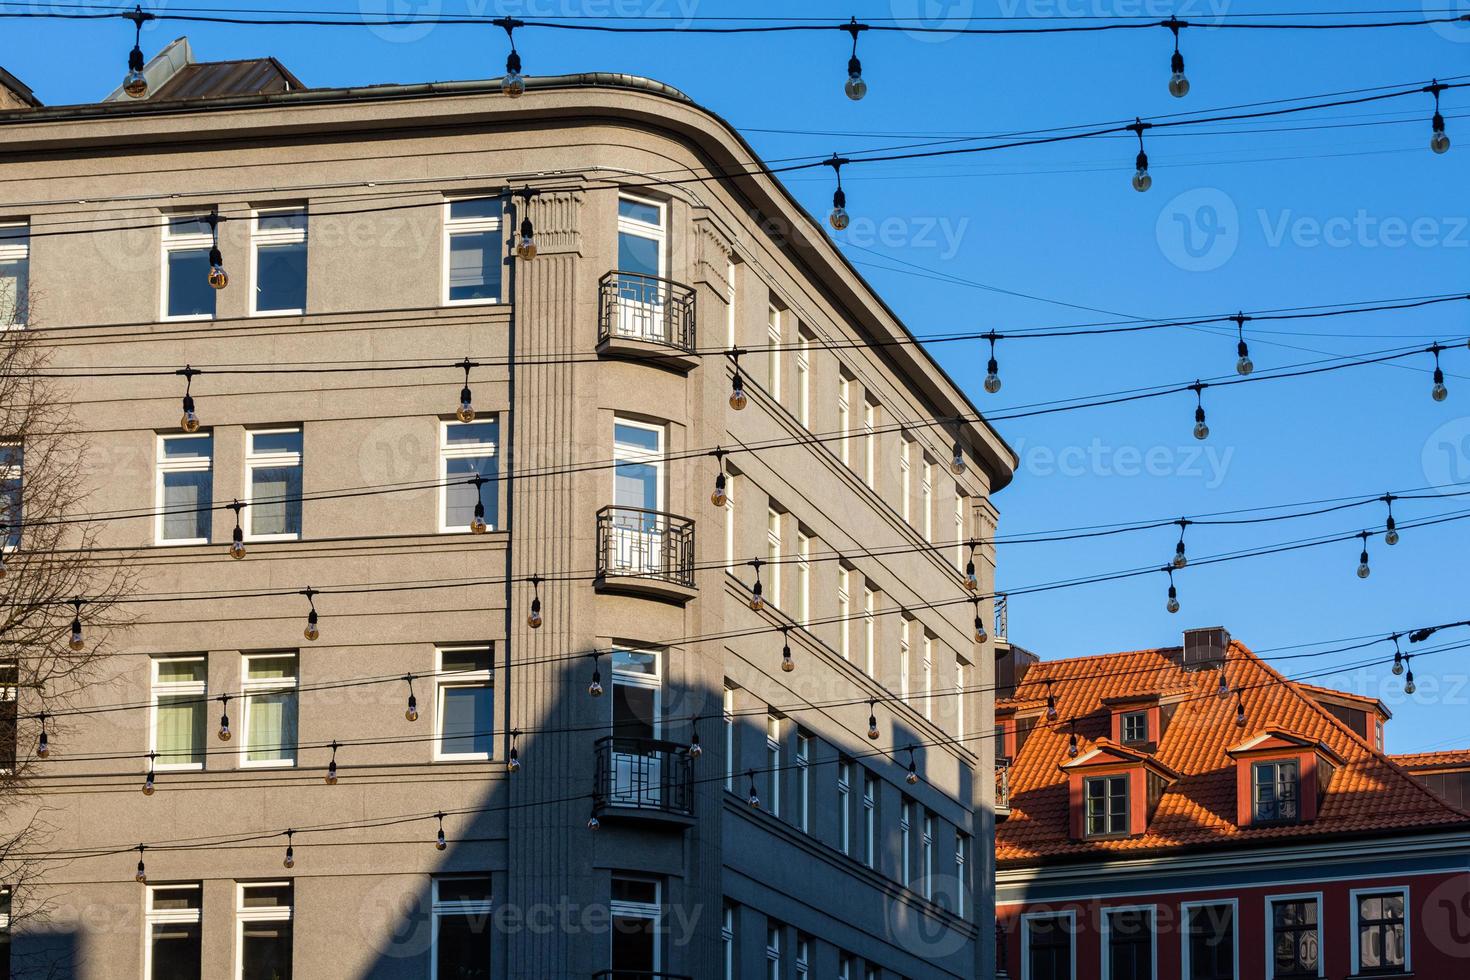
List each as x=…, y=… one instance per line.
x=645, y=552
x=1002, y=791
x=646, y=318
x=644, y=779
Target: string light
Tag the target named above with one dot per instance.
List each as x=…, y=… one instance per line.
x=1051, y=702
x=411, y=713
x=439, y=842
x=43, y=744
x=1180, y=558
x=224, y=718
x=1363, y=570
x=1201, y=430
x=331, y=777
x=839, y=218
x=753, y=798
x=737, y=385
x=757, y=600
x=290, y=861
x=1173, y=604
x=1438, y=142
x=1223, y=691
x=913, y=774
x=957, y=461
x=477, y=522
x=76, y=643
x=855, y=87
x=135, y=84
x=972, y=582
x=237, y=536
x=534, y=619
x=513, y=763
x=1390, y=528
x=1072, y=742
x=592, y=822
x=1439, y=392
x=148, y=779
x=218, y=278
x=526, y=244
x=787, y=664
x=189, y=421
x=992, y=367
x=1398, y=657
x=466, y=410
x=980, y=634
x=312, y=632
x=1141, y=180
x=873, y=732
x=695, y=749
x=1178, y=84
x=1409, y=686
x=1243, y=364
x=141, y=875
x=513, y=85
x=1239, y=709
x=719, y=498
x=594, y=689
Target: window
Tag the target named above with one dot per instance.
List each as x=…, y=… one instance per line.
x=870, y=444
x=905, y=843
x=270, y=696
x=464, y=704
x=844, y=417
x=961, y=864
x=175, y=916
x=727, y=941
x=5, y=900
x=637, y=917
x=263, y=937
x=638, y=474
x=279, y=254
x=773, y=359
x=472, y=250
x=9, y=682
x=803, y=577
x=773, y=762
x=462, y=927
x=467, y=450
x=961, y=548
x=1209, y=941
x=1275, y=791
x=773, y=555
x=273, y=484
x=960, y=681
x=12, y=486
x=803, y=378
x=728, y=711
x=1380, y=921
x=803, y=781
x=187, y=294
x=773, y=952
x=844, y=613
x=1295, y=940
x=870, y=820
x=730, y=310
x=904, y=625
x=928, y=677
x=185, y=495
x=1135, y=726
x=1106, y=802
x=870, y=646
x=926, y=843
x=844, y=967
x=15, y=273
x=1047, y=946
x=637, y=718
x=803, y=958
x=905, y=479
x=844, y=807
x=179, y=712
x=729, y=522
x=1128, y=943
x=926, y=500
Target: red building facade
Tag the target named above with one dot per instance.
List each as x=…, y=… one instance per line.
x=1190, y=813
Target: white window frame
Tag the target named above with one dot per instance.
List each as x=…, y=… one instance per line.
x=727, y=940
x=1353, y=925
x=870, y=444
x=961, y=670
x=652, y=682
x=1185, y=908
x=803, y=379
x=244, y=915
x=804, y=780
x=904, y=625
x=773, y=950
x=844, y=417
x=773, y=762
x=926, y=497
x=844, y=806
x=773, y=362
x=655, y=233
x=803, y=577
x=928, y=668
x=279, y=236
x=478, y=450
x=18, y=252
x=774, y=528
x=1027, y=918
x=164, y=465
x=926, y=844
x=152, y=917
x=730, y=522
x=1106, y=932
x=465, y=226
x=803, y=958
x=961, y=545
x=439, y=908
x=728, y=717
x=640, y=910
x=730, y=313
x=905, y=480
x=870, y=819
x=460, y=679
x=905, y=842
x=254, y=460
x=181, y=243
x=250, y=687
x=844, y=613
x=961, y=866
x=189, y=689
x=1270, y=930
x=625, y=453
x=870, y=640
x=844, y=966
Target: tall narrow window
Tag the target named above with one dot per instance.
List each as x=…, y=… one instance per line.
x=187, y=294
x=637, y=924
x=961, y=870
x=12, y=493
x=642, y=269
x=730, y=536
x=844, y=613
x=730, y=311
x=961, y=551
x=928, y=668
x=844, y=806
x=1129, y=943
x=870, y=644
x=773, y=952
x=870, y=444
x=1106, y=801
x=464, y=704
x=1047, y=946
x=926, y=500
x=263, y=934
x=9, y=683
x=638, y=539
x=473, y=252
x=727, y=941
x=803, y=958
x=803, y=781
x=926, y=844
x=870, y=820
x=904, y=626
x=175, y=915
x=905, y=842
x=773, y=358
x=1295, y=941
x=844, y=417
x=844, y=967
x=467, y=450
x=961, y=679
x=279, y=253
x=185, y=492
x=803, y=378
x=15, y=273
x=270, y=696
x=462, y=927
x=803, y=577
x=1209, y=945
x=773, y=556
x=635, y=779
x=179, y=711
x=1381, y=943
x=728, y=718
x=273, y=484
x=905, y=479
x=773, y=763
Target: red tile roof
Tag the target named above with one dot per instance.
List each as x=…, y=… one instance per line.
x=1368, y=792
x=1451, y=759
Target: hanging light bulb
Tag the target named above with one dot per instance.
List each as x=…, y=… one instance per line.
x=1173, y=604
x=534, y=619
x=224, y=718
x=787, y=664
x=513, y=763
x=1409, y=686
x=972, y=582
x=237, y=536
x=1363, y=570
x=1180, y=558
x=43, y=744
x=757, y=598
x=1439, y=142
x=737, y=385
x=466, y=410
x=839, y=218
x=1239, y=711
x=1243, y=365
x=855, y=87
x=218, y=278
x=695, y=749
x=594, y=689
x=148, y=779
x=957, y=461
x=526, y=244
x=513, y=84
x=1390, y=527
x=1201, y=430
x=331, y=777
x=290, y=861
x=719, y=498
x=76, y=643
x=913, y=774
x=135, y=84
x=592, y=822
x=753, y=798
x=1439, y=392
x=439, y=842
x=189, y=421
x=1223, y=691
x=1051, y=703
x=312, y=632
x=1141, y=180
x=980, y=633
x=141, y=875
x=1398, y=658
x=1072, y=743
x=411, y=713
x=477, y=520
x=873, y=732
x=992, y=367
x=1178, y=84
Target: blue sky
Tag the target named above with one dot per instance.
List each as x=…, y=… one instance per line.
x=1340, y=206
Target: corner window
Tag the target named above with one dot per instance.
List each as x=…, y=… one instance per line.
x=185, y=495
x=1275, y=792
x=472, y=250
x=1209, y=942
x=174, y=915
x=1380, y=924
x=178, y=696
x=12, y=501
x=1128, y=943
x=15, y=273
x=1106, y=800
x=273, y=484
x=637, y=923
x=464, y=704
x=1295, y=940
x=1135, y=726
x=263, y=931
x=278, y=250
x=462, y=927
x=1047, y=943
x=187, y=294
x=467, y=450
x=270, y=695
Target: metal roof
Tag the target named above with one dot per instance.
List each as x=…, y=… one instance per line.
x=221, y=79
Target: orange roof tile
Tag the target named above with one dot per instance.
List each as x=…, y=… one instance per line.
x=1450, y=759
x=1368, y=792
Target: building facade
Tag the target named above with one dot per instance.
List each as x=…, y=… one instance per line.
x=371, y=241
x=1189, y=812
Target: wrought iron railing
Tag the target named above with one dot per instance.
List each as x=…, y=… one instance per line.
x=638, y=543
x=644, y=774
x=638, y=307
x=1003, y=786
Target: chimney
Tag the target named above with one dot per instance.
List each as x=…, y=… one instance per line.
x=1204, y=649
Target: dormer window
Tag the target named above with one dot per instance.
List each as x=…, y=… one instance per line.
x=1276, y=793
x=1107, y=805
x=1135, y=727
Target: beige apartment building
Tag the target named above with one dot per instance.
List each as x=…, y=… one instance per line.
x=371, y=241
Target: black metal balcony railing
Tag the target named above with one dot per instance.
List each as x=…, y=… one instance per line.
x=647, y=308
x=644, y=774
x=638, y=543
